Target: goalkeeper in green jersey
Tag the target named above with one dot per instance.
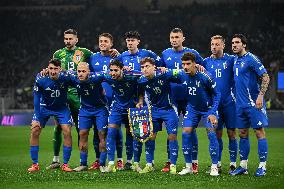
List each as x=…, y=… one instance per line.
x=70, y=56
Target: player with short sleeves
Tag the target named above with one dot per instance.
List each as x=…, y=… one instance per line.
x=251, y=82
x=203, y=101
x=171, y=59
x=220, y=66
x=99, y=62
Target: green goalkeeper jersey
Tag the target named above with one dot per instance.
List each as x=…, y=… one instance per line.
x=71, y=58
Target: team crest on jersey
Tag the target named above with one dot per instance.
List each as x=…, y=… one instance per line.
x=225, y=65
x=77, y=56
x=140, y=121
x=61, y=85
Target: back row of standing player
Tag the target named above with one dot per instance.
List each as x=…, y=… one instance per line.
x=247, y=69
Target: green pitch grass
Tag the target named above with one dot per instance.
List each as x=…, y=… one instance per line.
x=15, y=159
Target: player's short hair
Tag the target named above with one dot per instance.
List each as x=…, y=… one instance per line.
x=132, y=34
x=218, y=37
x=108, y=35
x=55, y=62
x=71, y=31
x=147, y=59
x=84, y=64
x=176, y=30
x=242, y=37
x=188, y=56
x=116, y=63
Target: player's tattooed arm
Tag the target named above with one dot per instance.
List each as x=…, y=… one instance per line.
x=264, y=85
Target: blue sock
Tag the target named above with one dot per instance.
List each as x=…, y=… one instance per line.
x=103, y=158
x=220, y=142
x=83, y=158
x=194, y=145
x=262, y=149
x=110, y=143
x=149, y=150
x=233, y=149
x=168, y=149
x=173, y=145
x=34, y=153
x=96, y=142
x=137, y=147
x=129, y=146
x=119, y=143
x=244, y=148
x=213, y=147
x=66, y=153
x=187, y=146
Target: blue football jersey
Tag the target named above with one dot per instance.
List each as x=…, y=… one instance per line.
x=133, y=60
x=99, y=62
x=247, y=71
x=172, y=59
x=202, y=92
x=221, y=69
x=90, y=91
x=124, y=90
x=52, y=94
x=158, y=88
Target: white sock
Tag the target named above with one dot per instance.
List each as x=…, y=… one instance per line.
x=129, y=161
x=262, y=164
x=149, y=164
x=244, y=164
x=214, y=166
x=55, y=159
x=233, y=163
x=111, y=162
x=188, y=165
x=152, y=161
x=195, y=161
x=119, y=159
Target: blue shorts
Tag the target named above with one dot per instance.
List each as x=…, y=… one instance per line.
x=169, y=116
x=97, y=117
x=251, y=117
x=227, y=117
x=118, y=116
x=63, y=116
x=192, y=117
x=178, y=92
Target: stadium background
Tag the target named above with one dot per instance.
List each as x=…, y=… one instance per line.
x=31, y=30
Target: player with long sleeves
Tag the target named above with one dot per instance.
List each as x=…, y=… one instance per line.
x=93, y=111
x=171, y=58
x=157, y=85
x=70, y=56
x=50, y=99
x=251, y=82
x=203, y=102
x=124, y=86
x=220, y=66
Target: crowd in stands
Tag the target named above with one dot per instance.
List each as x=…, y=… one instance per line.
x=29, y=37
